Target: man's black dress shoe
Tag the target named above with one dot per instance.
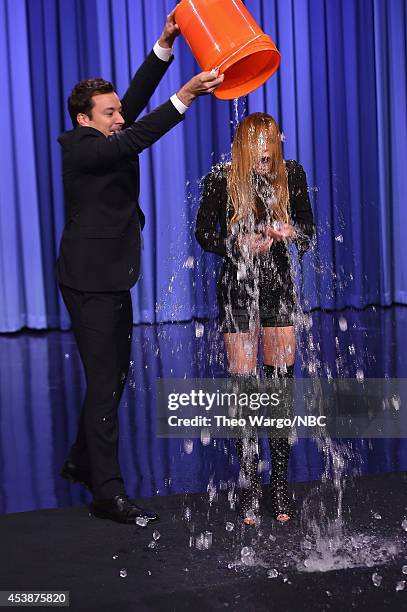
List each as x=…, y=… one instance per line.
x=70, y=471
x=121, y=510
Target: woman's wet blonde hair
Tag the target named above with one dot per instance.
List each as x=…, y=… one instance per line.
x=252, y=135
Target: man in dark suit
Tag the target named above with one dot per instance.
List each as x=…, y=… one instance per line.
x=99, y=256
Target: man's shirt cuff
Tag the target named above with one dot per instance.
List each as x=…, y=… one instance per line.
x=162, y=54
x=180, y=106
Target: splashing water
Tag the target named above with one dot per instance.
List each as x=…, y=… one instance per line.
x=239, y=111
x=328, y=543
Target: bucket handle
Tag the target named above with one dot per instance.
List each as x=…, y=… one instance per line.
x=229, y=57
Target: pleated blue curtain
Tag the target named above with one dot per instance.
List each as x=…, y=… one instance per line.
x=44, y=51
x=340, y=97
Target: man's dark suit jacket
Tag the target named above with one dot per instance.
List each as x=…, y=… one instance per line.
x=100, y=245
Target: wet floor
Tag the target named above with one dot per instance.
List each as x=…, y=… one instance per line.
x=198, y=555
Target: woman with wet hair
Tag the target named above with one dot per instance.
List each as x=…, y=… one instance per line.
x=251, y=209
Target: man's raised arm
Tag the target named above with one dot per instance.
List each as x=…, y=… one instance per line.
x=150, y=73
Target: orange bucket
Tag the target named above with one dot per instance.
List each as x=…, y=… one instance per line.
x=222, y=34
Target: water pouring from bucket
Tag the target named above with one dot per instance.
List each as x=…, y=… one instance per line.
x=223, y=35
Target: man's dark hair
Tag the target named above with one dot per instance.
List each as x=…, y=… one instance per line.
x=80, y=100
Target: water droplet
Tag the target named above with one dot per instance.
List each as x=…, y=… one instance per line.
x=199, y=542
x=189, y=264
x=152, y=544
x=247, y=555
x=141, y=521
x=248, y=348
x=115, y=557
x=272, y=573
x=377, y=579
x=377, y=516
x=67, y=355
x=205, y=437
x=395, y=400
x=307, y=321
x=230, y=526
x=211, y=488
x=343, y=324
x=404, y=524
x=208, y=537
x=264, y=466
x=400, y=586
x=123, y=573
x=156, y=535
x=188, y=446
x=199, y=330
x=339, y=238
x=404, y=569
x=241, y=271
x=187, y=514
x=360, y=374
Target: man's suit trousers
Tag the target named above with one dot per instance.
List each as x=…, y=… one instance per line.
x=102, y=324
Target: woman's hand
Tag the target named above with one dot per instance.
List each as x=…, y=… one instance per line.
x=284, y=231
x=254, y=243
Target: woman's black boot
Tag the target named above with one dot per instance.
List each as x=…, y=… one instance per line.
x=281, y=501
x=248, y=455
x=249, y=492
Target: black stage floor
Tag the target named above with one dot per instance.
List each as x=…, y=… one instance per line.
x=324, y=559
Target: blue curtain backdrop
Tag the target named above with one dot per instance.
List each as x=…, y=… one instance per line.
x=340, y=97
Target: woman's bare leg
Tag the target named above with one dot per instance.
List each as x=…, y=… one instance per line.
x=278, y=345
x=241, y=349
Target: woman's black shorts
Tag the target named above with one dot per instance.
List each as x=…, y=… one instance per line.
x=259, y=294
